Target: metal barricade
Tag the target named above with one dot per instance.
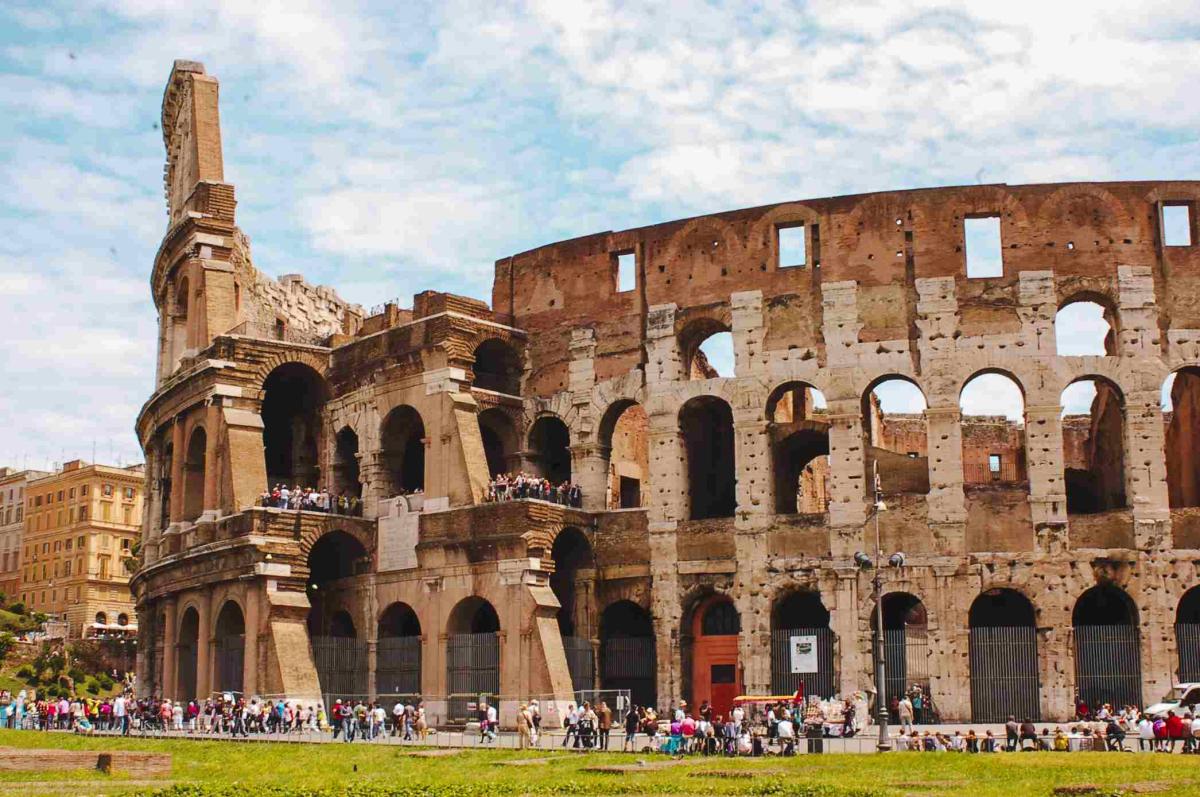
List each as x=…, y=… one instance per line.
x=1004, y=673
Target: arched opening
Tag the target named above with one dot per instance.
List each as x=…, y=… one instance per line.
x=896, y=437
x=627, y=655
x=402, y=447
x=188, y=655
x=1187, y=635
x=1181, y=415
x=573, y=583
x=624, y=434
x=1083, y=327
x=712, y=647
x=472, y=655
x=801, y=646
x=993, y=431
x=550, y=447
x=345, y=464
x=799, y=434
x=179, y=322
x=164, y=486
x=499, y=435
x=101, y=618
x=706, y=346
x=1093, y=431
x=193, y=475
x=1108, y=662
x=706, y=423
x=1003, y=654
x=906, y=653
x=230, y=648
x=398, y=652
x=293, y=396
x=339, y=655
x=497, y=367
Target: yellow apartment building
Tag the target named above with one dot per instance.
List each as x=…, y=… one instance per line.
x=81, y=524
x=12, y=528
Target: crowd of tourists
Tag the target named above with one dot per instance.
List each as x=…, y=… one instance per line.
x=309, y=500
x=25, y=710
x=515, y=486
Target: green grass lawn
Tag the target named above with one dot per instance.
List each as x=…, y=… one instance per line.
x=227, y=768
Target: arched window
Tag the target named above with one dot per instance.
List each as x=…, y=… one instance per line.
x=398, y=652
x=993, y=431
x=497, y=367
x=101, y=618
x=293, y=396
x=230, y=634
x=799, y=448
x=906, y=650
x=896, y=437
x=345, y=464
x=499, y=436
x=706, y=424
x=550, y=444
x=1108, y=666
x=572, y=555
x=627, y=654
x=801, y=645
x=193, y=475
x=706, y=346
x=402, y=443
x=719, y=619
x=187, y=657
x=1084, y=327
x=1181, y=412
x=1003, y=657
x=624, y=434
x=1093, y=431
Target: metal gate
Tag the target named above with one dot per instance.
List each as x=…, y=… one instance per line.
x=398, y=665
x=786, y=682
x=906, y=664
x=1108, y=665
x=231, y=657
x=186, y=683
x=1004, y=673
x=472, y=669
x=341, y=665
x=630, y=663
x=581, y=662
x=1187, y=638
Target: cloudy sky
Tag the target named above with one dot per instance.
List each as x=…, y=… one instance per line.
x=387, y=148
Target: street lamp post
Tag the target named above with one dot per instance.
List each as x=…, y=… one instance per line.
x=876, y=563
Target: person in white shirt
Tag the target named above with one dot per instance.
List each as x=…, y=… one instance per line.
x=1145, y=729
x=492, y=722
x=121, y=716
x=787, y=737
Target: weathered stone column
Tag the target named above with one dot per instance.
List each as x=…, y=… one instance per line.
x=749, y=333
x=750, y=592
x=845, y=622
x=1146, y=470
x=170, y=649
x=847, y=507
x=212, y=424
x=178, y=455
x=1044, y=462
x=375, y=482
x=250, y=654
x=947, y=504
x=589, y=469
x=204, y=653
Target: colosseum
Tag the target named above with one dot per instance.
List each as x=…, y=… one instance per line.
x=1049, y=553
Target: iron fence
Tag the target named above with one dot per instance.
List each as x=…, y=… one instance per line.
x=1004, y=673
x=398, y=665
x=581, y=662
x=630, y=663
x=906, y=665
x=230, y=660
x=472, y=669
x=341, y=664
x=786, y=682
x=1108, y=666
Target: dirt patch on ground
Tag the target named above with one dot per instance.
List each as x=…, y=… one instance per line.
x=439, y=752
x=640, y=766
x=1147, y=787
x=524, y=762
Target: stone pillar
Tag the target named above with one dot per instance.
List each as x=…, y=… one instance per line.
x=250, y=654
x=847, y=509
x=752, y=445
x=589, y=469
x=204, y=642
x=845, y=622
x=372, y=665
x=212, y=417
x=751, y=524
x=663, y=361
x=170, y=649
x=375, y=482
x=666, y=610
x=949, y=668
x=1044, y=462
x=1146, y=469
x=178, y=456
x=749, y=333
x=145, y=649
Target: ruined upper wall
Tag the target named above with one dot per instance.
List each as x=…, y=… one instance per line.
x=883, y=242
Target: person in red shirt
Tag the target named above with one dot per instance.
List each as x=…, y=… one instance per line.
x=1174, y=729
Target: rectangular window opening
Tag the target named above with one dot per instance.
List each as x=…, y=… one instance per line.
x=626, y=271
x=723, y=674
x=994, y=463
x=1177, y=224
x=793, y=250
x=984, y=252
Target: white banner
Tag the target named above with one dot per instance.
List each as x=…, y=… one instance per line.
x=803, y=653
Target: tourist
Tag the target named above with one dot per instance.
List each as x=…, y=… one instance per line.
x=571, y=724
x=604, y=717
x=632, y=720
x=1029, y=733
x=1145, y=729
x=904, y=710
x=524, y=727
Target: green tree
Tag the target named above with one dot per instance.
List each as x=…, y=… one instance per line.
x=7, y=641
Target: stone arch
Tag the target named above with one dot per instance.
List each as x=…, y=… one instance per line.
x=897, y=443
x=623, y=435
x=1187, y=635
x=293, y=396
x=229, y=631
x=907, y=626
x=574, y=584
x=801, y=631
x=799, y=439
x=346, y=470
x=501, y=440
x=692, y=336
x=187, y=657
x=706, y=426
x=312, y=534
x=472, y=654
x=398, y=651
x=1094, y=450
x=550, y=448
x=1003, y=656
x=1182, y=438
x=402, y=450
x=695, y=253
x=1107, y=344
x=497, y=367
x=993, y=445
x=628, y=659
x=1108, y=665
x=195, y=466
x=709, y=642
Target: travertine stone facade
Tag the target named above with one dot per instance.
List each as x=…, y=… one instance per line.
x=566, y=376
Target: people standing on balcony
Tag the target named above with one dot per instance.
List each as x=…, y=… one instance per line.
x=521, y=485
